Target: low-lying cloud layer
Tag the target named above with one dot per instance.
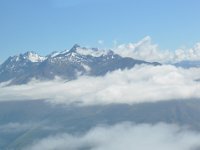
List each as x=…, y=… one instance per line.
x=147, y=50
x=140, y=84
x=124, y=136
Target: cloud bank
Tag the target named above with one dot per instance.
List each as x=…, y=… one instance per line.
x=124, y=136
x=147, y=50
x=140, y=84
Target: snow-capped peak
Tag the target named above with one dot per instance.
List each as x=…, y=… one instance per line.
x=33, y=57
x=53, y=54
x=76, y=49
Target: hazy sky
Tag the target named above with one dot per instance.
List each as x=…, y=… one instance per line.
x=47, y=25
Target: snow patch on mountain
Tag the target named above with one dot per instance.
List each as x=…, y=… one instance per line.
x=53, y=54
x=86, y=67
x=34, y=57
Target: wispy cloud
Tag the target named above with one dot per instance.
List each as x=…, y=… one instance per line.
x=100, y=42
x=124, y=136
x=140, y=84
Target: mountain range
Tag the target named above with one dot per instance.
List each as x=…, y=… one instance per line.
x=68, y=64
x=188, y=64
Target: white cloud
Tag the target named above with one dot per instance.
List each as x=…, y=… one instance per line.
x=144, y=50
x=83, y=51
x=115, y=42
x=147, y=50
x=188, y=54
x=124, y=136
x=140, y=84
x=100, y=42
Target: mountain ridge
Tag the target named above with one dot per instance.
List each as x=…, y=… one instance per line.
x=68, y=64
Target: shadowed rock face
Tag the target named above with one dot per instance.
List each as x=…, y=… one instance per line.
x=23, y=122
x=188, y=64
x=68, y=65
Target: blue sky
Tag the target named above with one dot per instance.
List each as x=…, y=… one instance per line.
x=48, y=25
